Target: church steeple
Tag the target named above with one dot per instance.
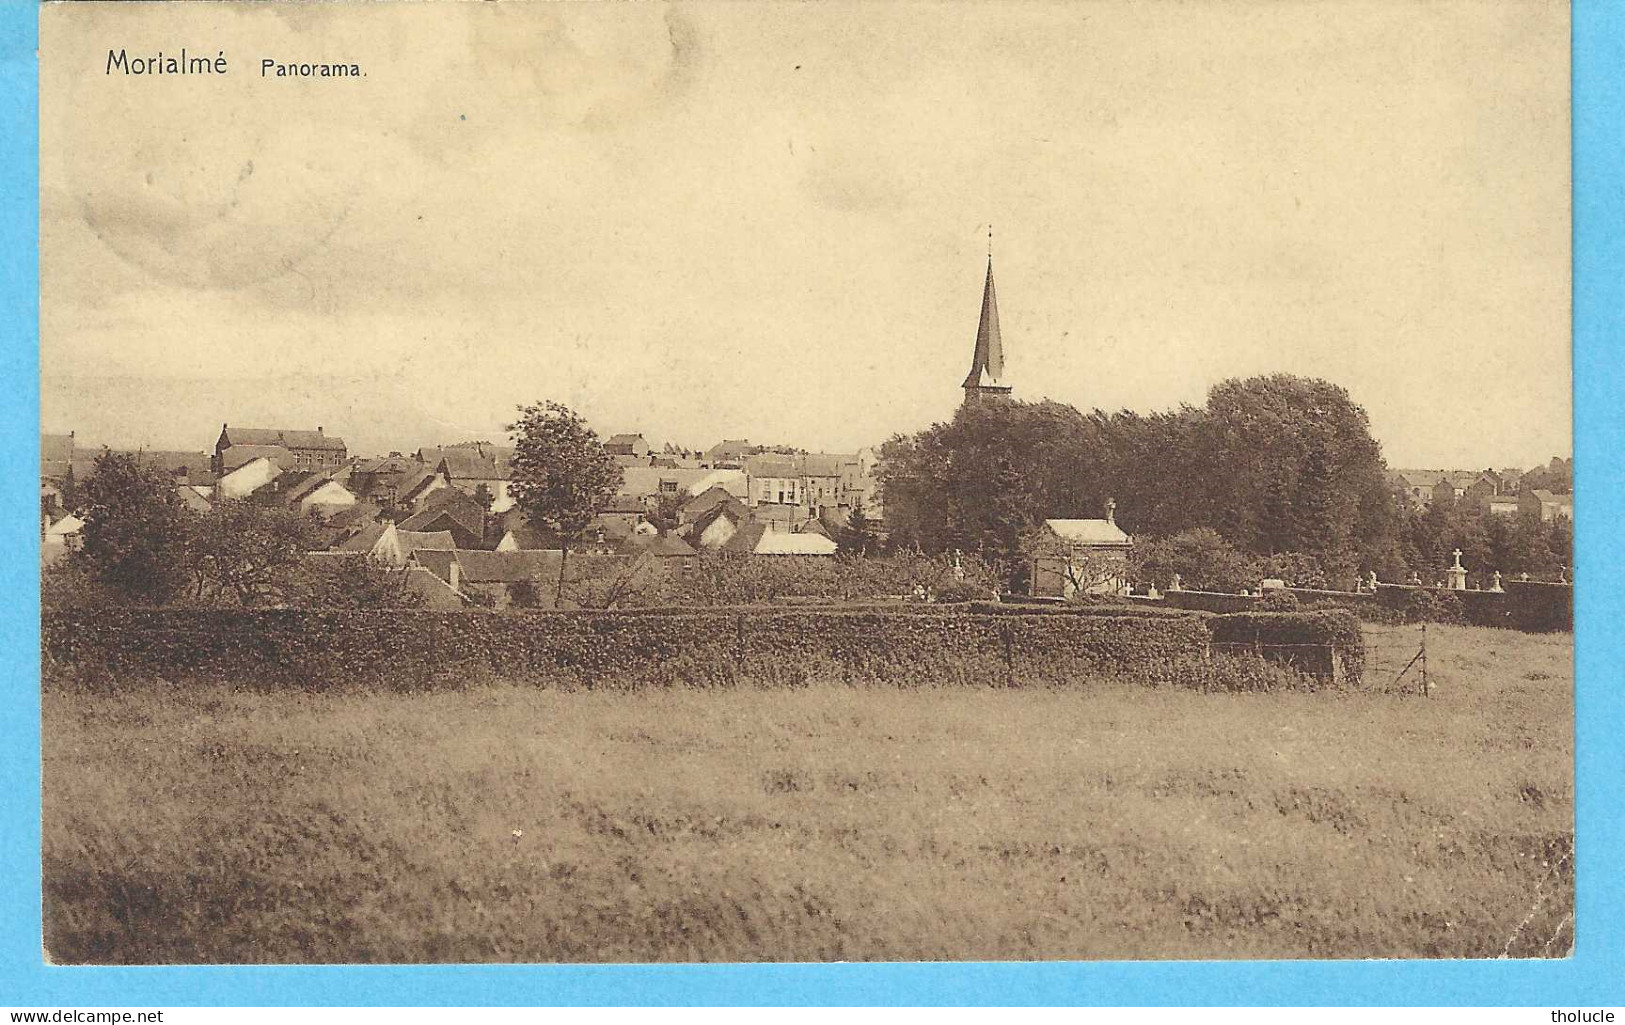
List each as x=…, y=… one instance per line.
x=986, y=377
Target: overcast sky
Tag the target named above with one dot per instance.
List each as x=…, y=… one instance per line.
x=769, y=222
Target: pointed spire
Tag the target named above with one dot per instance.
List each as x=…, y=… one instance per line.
x=987, y=365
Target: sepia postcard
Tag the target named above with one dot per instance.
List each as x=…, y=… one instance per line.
x=540, y=483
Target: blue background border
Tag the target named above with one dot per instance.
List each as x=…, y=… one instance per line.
x=1592, y=976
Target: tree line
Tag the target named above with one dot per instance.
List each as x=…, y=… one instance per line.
x=1274, y=475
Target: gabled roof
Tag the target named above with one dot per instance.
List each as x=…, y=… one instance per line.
x=306, y=486
x=506, y=567
x=469, y=460
x=772, y=466
x=68, y=524
x=734, y=511
x=192, y=500
x=468, y=464
x=360, y=514
x=646, y=480
x=455, y=505
x=825, y=464
x=387, y=464
x=363, y=540
x=239, y=455
x=745, y=538
x=1417, y=478
x=730, y=448
x=1088, y=532
x=778, y=542
x=235, y=436
x=668, y=546
x=417, y=540
x=414, y=481
x=709, y=499
x=435, y=560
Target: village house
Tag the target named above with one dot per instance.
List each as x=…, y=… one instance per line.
x=774, y=480
x=652, y=483
x=494, y=578
x=245, y=479
x=1453, y=486
x=1088, y=556
x=473, y=465
x=757, y=537
x=1416, y=486
x=716, y=517
x=451, y=511
x=193, y=498
x=728, y=454
x=387, y=481
x=308, y=450
x=1546, y=506
x=670, y=554
x=632, y=445
x=386, y=544
x=319, y=494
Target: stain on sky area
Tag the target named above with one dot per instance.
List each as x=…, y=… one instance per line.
x=785, y=192
x=216, y=223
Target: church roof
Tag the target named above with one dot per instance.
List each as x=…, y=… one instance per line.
x=987, y=365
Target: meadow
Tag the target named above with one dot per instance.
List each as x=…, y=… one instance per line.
x=213, y=821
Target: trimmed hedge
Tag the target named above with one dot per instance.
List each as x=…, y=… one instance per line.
x=1525, y=605
x=322, y=648
x=317, y=648
x=1209, y=601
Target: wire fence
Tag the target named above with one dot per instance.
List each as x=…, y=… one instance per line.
x=1396, y=662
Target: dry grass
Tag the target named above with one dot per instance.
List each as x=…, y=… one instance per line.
x=206, y=824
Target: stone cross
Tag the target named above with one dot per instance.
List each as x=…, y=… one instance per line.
x=1457, y=554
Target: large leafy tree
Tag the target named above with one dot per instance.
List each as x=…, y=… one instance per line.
x=136, y=529
x=1274, y=464
x=561, y=475
x=249, y=554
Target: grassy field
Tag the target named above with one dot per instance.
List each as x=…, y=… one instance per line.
x=206, y=823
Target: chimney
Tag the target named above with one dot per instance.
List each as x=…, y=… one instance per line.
x=1111, y=511
x=318, y=428
x=456, y=575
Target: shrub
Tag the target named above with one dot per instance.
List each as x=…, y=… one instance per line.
x=1279, y=600
x=317, y=649
x=1247, y=673
x=1433, y=606
x=961, y=591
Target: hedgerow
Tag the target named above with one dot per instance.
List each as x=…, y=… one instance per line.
x=322, y=648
